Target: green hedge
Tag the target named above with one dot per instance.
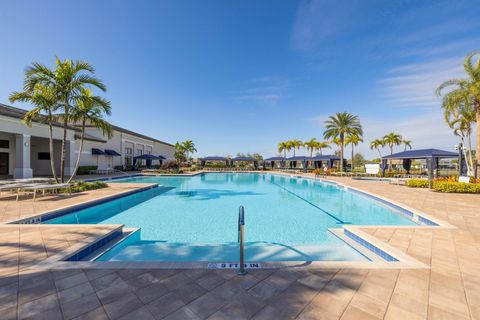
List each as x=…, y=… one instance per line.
x=446, y=186
x=417, y=183
x=456, y=187
x=85, y=169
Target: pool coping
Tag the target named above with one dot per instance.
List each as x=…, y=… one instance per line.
x=402, y=260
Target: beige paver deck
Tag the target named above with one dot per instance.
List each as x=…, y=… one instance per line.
x=450, y=289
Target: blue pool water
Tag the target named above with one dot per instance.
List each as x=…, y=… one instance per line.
x=195, y=218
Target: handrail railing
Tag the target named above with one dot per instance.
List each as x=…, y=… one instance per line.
x=241, y=223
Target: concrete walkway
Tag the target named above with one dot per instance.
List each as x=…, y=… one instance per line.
x=450, y=289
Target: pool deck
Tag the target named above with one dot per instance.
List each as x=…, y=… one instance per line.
x=448, y=289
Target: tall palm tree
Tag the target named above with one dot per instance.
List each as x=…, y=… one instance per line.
x=67, y=78
x=340, y=126
x=284, y=146
x=89, y=109
x=469, y=87
x=189, y=147
x=353, y=140
x=377, y=144
x=311, y=145
x=392, y=139
x=407, y=144
x=460, y=118
x=296, y=144
x=44, y=99
x=322, y=145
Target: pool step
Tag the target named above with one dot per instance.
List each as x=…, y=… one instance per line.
x=162, y=251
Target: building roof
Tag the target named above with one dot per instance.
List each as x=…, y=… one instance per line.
x=18, y=113
x=244, y=159
x=422, y=154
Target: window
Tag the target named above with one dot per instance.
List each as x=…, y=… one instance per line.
x=139, y=152
x=128, y=150
x=5, y=144
x=128, y=160
x=148, y=152
x=44, y=156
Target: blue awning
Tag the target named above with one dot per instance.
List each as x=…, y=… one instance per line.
x=110, y=152
x=148, y=157
x=297, y=158
x=422, y=154
x=97, y=152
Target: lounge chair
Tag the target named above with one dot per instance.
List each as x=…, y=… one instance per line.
x=43, y=187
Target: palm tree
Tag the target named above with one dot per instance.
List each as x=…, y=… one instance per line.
x=341, y=125
x=407, y=144
x=377, y=144
x=89, y=110
x=311, y=145
x=189, y=147
x=470, y=88
x=296, y=144
x=67, y=78
x=322, y=145
x=460, y=116
x=45, y=101
x=392, y=139
x=354, y=140
x=284, y=147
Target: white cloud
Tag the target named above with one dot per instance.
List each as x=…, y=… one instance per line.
x=414, y=85
x=266, y=89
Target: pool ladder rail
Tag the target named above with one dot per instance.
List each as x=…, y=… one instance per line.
x=241, y=241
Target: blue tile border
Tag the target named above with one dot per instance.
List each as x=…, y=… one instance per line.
x=371, y=247
x=65, y=211
x=93, y=246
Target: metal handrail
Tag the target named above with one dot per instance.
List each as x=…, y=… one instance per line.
x=241, y=223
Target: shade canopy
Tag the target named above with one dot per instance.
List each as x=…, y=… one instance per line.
x=324, y=158
x=422, y=154
x=251, y=159
x=97, y=152
x=297, y=158
x=275, y=159
x=214, y=158
x=110, y=152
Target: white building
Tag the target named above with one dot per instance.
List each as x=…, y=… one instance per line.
x=24, y=151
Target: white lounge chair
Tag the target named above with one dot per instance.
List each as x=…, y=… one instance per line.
x=43, y=187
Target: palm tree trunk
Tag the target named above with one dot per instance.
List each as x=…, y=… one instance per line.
x=379, y=153
x=311, y=152
x=477, y=149
x=50, y=146
x=320, y=150
x=65, y=123
x=341, y=156
x=352, y=156
x=79, y=152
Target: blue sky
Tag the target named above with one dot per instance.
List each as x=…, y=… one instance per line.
x=240, y=76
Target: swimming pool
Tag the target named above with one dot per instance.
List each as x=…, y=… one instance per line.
x=195, y=218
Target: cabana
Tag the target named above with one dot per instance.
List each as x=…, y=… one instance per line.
x=213, y=159
x=246, y=159
x=272, y=161
x=431, y=156
x=149, y=158
x=302, y=159
x=328, y=159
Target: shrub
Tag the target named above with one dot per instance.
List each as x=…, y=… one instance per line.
x=82, y=186
x=169, y=171
x=417, y=183
x=170, y=164
x=85, y=169
x=456, y=187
